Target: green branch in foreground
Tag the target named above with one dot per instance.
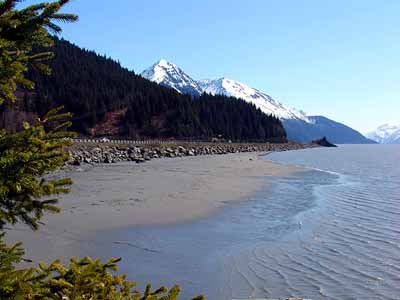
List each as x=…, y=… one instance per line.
x=25, y=158
x=20, y=31
x=81, y=279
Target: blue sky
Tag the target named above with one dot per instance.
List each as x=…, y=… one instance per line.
x=336, y=58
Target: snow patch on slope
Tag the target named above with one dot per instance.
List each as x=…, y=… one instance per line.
x=229, y=87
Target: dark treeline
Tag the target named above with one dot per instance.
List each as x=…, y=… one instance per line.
x=91, y=86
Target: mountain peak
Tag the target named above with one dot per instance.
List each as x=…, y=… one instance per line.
x=392, y=126
x=170, y=75
x=164, y=62
x=386, y=134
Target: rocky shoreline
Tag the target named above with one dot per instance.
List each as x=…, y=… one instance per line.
x=95, y=153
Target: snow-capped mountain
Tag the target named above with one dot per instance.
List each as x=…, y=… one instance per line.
x=386, y=134
x=299, y=127
x=170, y=75
x=229, y=87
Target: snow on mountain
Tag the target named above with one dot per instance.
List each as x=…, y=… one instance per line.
x=386, y=134
x=168, y=74
x=229, y=87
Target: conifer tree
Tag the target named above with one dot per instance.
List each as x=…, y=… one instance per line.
x=37, y=149
x=28, y=155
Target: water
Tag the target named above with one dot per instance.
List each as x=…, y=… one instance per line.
x=330, y=232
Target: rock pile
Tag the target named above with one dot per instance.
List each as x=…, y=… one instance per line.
x=102, y=153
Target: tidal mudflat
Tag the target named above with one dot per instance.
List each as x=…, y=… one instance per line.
x=159, y=192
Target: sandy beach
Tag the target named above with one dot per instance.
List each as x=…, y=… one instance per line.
x=161, y=191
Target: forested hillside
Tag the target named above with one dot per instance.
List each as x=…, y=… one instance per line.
x=107, y=99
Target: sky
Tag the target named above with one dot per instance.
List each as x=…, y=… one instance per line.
x=340, y=59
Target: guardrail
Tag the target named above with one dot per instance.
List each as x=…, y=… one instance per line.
x=157, y=142
x=137, y=142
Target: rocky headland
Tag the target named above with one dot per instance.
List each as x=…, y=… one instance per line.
x=324, y=142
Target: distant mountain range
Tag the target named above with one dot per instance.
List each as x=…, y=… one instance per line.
x=318, y=126
x=298, y=125
x=386, y=134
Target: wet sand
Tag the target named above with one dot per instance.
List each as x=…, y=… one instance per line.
x=163, y=191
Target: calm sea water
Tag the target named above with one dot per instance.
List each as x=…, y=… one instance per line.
x=330, y=232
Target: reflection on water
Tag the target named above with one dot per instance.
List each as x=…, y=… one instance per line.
x=317, y=234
